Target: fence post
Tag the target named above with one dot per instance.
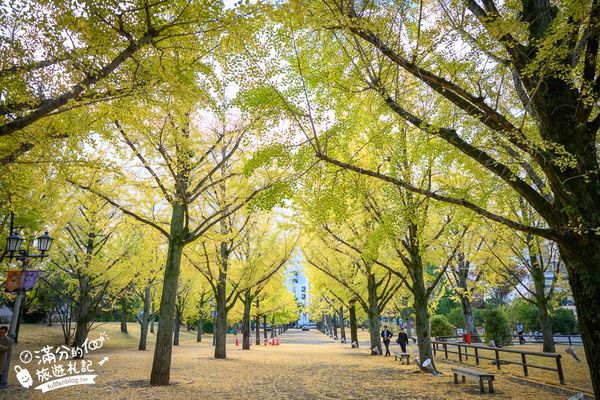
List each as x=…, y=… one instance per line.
x=497, y=359
x=459, y=354
x=466, y=353
x=570, y=344
x=446, y=350
x=561, y=376
x=434, y=349
x=476, y=355
x=524, y=364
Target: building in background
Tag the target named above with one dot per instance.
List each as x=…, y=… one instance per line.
x=297, y=283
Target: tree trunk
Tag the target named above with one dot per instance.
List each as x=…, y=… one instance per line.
x=342, y=328
x=50, y=314
x=124, y=316
x=246, y=321
x=272, y=327
x=543, y=315
x=374, y=317
x=199, y=329
x=152, y=319
x=334, y=324
x=145, y=319
x=464, y=295
x=221, y=320
x=257, y=342
x=265, y=327
x=539, y=281
x=353, y=325
x=83, y=315
x=161, y=364
x=332, y=329
x=468, y=318
x=65, y=315
x=546, y=327
x=200, y=323
x=214, y=336
x=582, y=259
x=81, y=333
x=420, y=306
x=177, y=327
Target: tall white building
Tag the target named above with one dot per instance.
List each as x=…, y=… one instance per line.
x=297, y=283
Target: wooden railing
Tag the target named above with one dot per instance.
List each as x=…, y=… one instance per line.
x=464, y=351
x=571, y=340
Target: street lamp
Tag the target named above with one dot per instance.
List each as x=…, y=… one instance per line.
x=44, y=242
x=13, y=245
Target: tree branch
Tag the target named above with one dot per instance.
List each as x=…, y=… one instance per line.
x=547, y=233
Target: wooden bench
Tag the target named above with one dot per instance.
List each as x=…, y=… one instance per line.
x=402, y=356
x=482, y=375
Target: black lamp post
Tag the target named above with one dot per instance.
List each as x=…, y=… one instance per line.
x=13, y=245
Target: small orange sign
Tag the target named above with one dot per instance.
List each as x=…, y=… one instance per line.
x=13, y=278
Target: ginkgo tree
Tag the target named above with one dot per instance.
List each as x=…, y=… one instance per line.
x=346, y=247
x=264, y=251
x=149, y=263
x=92, y=262
x=175, y=152
x=515, y=88
x=324, y=286
x=70, y=55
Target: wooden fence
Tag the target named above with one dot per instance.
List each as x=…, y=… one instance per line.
x=571, y=340
x=464, y=351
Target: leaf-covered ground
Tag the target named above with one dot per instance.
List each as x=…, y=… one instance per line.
x=307, y=365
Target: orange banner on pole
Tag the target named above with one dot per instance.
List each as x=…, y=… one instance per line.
x=13, y=278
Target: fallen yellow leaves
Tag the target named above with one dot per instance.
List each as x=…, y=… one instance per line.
x=307, y=365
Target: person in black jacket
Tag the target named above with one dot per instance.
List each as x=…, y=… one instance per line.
x=402, y=339
x=386, y=334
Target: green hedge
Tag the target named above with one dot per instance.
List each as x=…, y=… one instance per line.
x=497, y=327
x=441, y=327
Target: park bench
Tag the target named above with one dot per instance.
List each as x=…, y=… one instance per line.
x=402, y=356
x=482, y=375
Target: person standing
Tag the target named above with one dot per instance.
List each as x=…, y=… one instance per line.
x=5, y=347
x=402, y=339
x=386, y=334
x=520, y=332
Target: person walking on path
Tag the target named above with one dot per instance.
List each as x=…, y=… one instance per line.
x=386, y=334
x=5, y=346
x=402, y=340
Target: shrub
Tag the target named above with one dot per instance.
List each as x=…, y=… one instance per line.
x=564, y=322
x=527, y=314
x=208, y=326
x=497, y=327
x=455, y=317
x=440, y=326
